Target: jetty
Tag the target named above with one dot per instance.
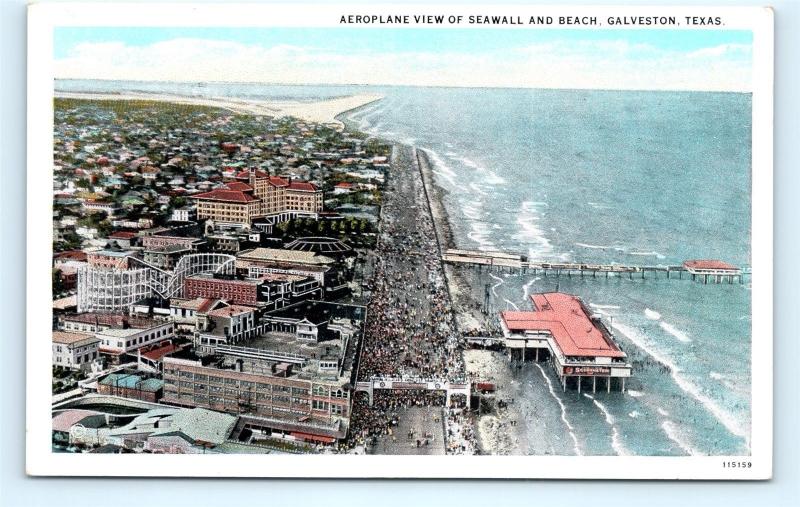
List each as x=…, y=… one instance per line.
x=705, y=270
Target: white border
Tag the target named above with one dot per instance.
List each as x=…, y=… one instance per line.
x=41, y=461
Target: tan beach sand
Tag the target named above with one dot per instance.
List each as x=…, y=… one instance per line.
x=323, y=111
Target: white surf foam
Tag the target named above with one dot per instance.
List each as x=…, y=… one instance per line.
x=716, y=376
x=511, y=303
x=672, y=433
x=727, y=419
x=593, y=247
x=563, y=411
x=478, y=189
x=616, y=442
x=662, y=411
x=649, y=254
x=651, y=314
x=472, y=210
x=527, y=287
x=529, y=231
x=498, y=284
x=635, y=394
x=634, y=414
x=480, y=235
x=604, y=307
x=677, y=333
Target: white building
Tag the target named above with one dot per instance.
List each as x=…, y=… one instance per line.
x=126, y=340
x=185, y=214
x=75, y=351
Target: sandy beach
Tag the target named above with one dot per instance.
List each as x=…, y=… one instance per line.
x=322, y=111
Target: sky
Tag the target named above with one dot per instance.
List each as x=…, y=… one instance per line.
x=707, y=60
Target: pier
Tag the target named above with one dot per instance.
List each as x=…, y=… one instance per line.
x=706, y=271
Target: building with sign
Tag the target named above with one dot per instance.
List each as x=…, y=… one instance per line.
x=281, y=385
x=578, y=345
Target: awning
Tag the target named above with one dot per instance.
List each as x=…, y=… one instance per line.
x=316, y=438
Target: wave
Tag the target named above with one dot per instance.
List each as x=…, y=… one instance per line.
x=563, y=411
x=672, y=433
x=616, y=443
x=529, y=231
x=604, y=307
x=508, y=301
x=479, y=233
x=677, y=333
x=635, y=394
x=649, y=254
x=440, y=167
x=634, y=414
x=472, y=210
x=716, y=376
x=593, y=247
x=651, y=314
x=527, y=287
x=498, y=284
x=662, y=411
x=727, y=419
x=478, y=189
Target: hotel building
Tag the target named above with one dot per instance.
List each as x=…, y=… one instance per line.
x=256, y=194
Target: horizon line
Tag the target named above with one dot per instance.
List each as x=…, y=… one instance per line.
x=263, y=83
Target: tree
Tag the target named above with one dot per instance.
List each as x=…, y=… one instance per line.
x=57, y=285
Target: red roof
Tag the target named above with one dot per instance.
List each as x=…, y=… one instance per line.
x=278, y=181
x=304, y=186
x=344, y=184
x=122, y=235
x=709, y=264
x=563, y=316
x=75, y=255
x=157, y=353
x=311, y=436
x=226, y=196
x=238, y=185
x=243, y=175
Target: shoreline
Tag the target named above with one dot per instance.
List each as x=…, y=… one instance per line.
x=461, y=285
x=321, y=111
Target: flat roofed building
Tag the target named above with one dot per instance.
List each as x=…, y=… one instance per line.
x=75, y=351
x=110, y=259
x=118, y=341
x=578, y=344
x=260, y=261
x=280, y=383
x=132, y=386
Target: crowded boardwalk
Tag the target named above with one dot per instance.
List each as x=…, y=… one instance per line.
x=410, y=330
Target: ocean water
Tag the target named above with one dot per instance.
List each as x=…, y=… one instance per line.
x=601, y=177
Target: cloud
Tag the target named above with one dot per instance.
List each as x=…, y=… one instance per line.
x=607, y=64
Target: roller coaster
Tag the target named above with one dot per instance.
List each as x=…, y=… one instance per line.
x=108, y=290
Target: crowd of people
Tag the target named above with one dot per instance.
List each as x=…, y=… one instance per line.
x=410, y=329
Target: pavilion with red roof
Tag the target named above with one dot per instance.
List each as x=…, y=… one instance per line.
x=561, y=329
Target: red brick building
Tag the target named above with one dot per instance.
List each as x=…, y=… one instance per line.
x=240, y=292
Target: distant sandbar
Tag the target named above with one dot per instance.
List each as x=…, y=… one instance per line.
x=321, y=111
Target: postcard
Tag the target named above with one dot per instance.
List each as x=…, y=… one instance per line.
x=461, y=241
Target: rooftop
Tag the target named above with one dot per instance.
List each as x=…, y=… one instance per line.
x=66, y=338
x=223, y=195
x=564, y=317
x=278, y=255
x=709, y=264
x=197, y=304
